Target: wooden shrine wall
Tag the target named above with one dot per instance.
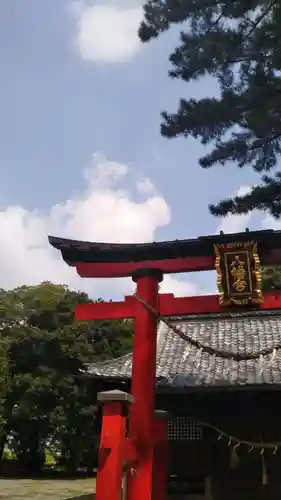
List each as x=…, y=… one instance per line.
x=188, y=453
x=247, y=415
x=196, y=455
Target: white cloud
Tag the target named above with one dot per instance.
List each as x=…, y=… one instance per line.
x=107, y=30
x=178, y=286
x=270, y=223
x=105, y=211
x=236, y=223
x=145, y=186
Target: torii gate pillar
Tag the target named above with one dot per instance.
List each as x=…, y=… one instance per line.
x=113, y=450
x=141, y=426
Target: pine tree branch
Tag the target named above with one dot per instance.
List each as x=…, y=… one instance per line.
x=243, y=151
x=159, y=15
x=237, y=42
x=266, y=198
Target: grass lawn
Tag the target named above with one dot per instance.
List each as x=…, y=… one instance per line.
x=27, y=489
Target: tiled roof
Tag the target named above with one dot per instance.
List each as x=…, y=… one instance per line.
x=243, y=333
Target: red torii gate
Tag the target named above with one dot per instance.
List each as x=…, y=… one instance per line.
x=146, y=433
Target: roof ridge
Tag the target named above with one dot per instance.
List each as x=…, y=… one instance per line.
x=109, y=361
x=227, y=315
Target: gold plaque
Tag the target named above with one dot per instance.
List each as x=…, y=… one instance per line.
x=238, y=273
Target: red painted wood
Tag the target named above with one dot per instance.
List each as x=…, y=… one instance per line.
x=130, y=451
x=177, y=265
x=272, y=300
x=105, y=310
x=160, y=467
x=168, y=306
x=141, y=427
x=110, y=470
x=125, y=269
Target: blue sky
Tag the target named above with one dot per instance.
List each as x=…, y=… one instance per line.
x=81, y=153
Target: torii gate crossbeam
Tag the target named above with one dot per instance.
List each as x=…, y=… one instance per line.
x=168, y=305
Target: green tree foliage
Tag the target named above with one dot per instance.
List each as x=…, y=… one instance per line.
x=4, y=381
x=50, y=403
x=237, y=42
x=4, y=370
x=271, y=278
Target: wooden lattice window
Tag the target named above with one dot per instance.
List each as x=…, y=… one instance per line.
x=184, y=429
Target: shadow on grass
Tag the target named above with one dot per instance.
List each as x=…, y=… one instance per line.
x=89, y=496
x=48, y=474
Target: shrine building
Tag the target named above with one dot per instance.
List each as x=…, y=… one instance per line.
x=202, y=387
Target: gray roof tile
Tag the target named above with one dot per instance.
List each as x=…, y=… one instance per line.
x=244, y=333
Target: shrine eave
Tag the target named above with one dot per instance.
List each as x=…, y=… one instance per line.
x=93, y=259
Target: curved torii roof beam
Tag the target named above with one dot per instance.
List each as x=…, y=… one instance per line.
x=114, y=260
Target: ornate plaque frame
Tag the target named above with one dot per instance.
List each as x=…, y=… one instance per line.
x=238, y=273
